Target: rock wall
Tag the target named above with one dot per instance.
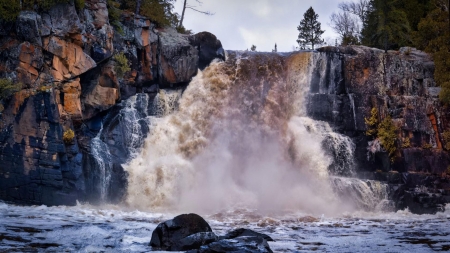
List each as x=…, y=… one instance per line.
x=399, y=84
x=63, y=58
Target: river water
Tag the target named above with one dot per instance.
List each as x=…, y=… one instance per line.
x=85, y=228
x=237, y=147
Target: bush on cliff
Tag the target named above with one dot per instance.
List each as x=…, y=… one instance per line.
x=8, y=87
x=68, y=136
x=384, y=131
x=9, y=10
x=159, y=11
x=121, y=66
x=387, y=133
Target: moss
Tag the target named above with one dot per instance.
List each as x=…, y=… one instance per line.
x=7, y=88
x=406, y=143
x=121, y=66
x=68, y=136
x=427, y=146
x=44, y=88
x=446, y=137
x=388, y=136
x=372, y=123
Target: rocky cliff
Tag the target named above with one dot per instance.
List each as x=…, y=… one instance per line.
x=64, y=60
x=400, y=85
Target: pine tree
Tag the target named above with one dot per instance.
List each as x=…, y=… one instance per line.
x=310, y=30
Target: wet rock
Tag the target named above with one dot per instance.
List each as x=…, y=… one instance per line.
x=244, y=244
x=181, y=231
x=178, y=60
x=240, y=232
x=209, y=48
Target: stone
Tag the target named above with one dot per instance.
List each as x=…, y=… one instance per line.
x=240, y=232
x=173, y=235
x=28, y=27
x=68, y=58
x=209, y=48
x=178, y=60
x=244, y=244
x=63, y=20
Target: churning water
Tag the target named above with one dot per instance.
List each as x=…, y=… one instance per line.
x=237, y=147
x=241, y=138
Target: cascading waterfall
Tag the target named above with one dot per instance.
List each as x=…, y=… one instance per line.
x=241, y=138
x=102, y=156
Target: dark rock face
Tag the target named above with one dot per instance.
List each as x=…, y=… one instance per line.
x=63, y=58
x=191, y=232
x=209, y=48
x=399, y=84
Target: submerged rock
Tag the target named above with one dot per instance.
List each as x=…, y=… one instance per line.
x=191, y=232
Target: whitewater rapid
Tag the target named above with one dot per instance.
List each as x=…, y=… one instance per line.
x=85, y=228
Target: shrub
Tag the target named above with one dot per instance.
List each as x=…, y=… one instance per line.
x=446, y=137
x=388, y=137
x=7, y=88
x=427, y=146
x=114, y=15
x=68, y=136
x=406, y=143
x=372, y=123
x=121, y=66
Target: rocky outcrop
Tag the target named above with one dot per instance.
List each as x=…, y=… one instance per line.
x=399, y=84
x=192, y=233
x=63, y=59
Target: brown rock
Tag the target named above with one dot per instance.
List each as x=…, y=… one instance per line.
x=69, y=58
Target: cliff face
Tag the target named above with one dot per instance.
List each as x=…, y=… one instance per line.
x=399, y=84
x=63, y=58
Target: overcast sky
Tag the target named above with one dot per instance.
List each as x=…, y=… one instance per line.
x=241, y=23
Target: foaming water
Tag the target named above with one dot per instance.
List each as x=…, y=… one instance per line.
x=240, y=138
x=85, y=228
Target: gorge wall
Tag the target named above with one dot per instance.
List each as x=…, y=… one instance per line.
x=64, y=59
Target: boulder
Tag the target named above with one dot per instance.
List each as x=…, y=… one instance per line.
x=178, y=60
x=244, y=244
x=182, y=233
x=209, y=48
x=240, y=232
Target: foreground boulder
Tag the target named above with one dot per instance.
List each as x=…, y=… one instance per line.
x=181, y=233
x=191, y=232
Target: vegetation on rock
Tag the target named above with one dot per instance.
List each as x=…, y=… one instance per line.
x=372, y=123
x=8, y=87
x=68, y=136
x=384, y=131
x=121, y=66
x=9, y=10
x=387, y=133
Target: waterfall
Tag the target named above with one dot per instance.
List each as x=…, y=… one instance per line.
x=352, y=104
x=100, y=152
x=241, y=138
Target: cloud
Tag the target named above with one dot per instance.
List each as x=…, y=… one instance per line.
x=242, y=23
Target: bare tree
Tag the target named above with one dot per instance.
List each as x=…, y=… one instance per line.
x=194, y=8
x=346, y=25
x=360, y=8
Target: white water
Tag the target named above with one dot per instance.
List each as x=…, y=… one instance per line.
x=100, y=152
x=241, y=139
x=85, y=228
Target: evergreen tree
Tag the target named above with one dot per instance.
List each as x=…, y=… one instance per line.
x=433, y=36
x=309, y=30
x=386, y=26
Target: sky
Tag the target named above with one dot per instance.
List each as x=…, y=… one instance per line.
x=239, y=24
